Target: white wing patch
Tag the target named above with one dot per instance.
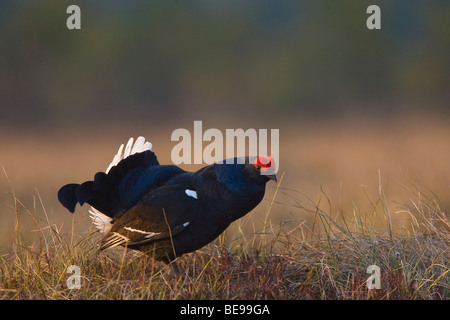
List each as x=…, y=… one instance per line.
x=113, y=240
x=148, y=234
x=191, y=193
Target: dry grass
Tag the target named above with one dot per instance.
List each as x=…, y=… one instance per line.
x=350, y=198
x=274, y=263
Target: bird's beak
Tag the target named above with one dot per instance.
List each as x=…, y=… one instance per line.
x=272, y=177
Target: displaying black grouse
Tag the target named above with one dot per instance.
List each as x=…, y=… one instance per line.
x=163, y=210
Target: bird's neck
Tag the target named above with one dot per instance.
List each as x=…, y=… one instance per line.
x=234, y=204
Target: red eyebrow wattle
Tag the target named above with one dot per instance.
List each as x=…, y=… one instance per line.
x=267, y=162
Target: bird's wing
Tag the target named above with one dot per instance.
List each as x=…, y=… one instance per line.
x=140, y=225
x=163, y=214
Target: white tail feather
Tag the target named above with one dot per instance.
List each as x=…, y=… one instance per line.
x=139, y=146
x=100, y=220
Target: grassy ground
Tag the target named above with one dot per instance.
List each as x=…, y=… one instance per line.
x=275, y=262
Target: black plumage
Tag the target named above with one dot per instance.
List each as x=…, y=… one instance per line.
x=163, y=210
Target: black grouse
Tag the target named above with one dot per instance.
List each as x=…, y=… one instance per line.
x=163, y=210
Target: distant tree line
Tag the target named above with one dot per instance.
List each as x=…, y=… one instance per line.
x=277, y=58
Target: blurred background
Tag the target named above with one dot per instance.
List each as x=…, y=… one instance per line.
x=356, y=108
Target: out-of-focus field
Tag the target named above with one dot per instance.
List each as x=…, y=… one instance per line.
x=342, y=166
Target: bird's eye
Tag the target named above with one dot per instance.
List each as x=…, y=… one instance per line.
x=258, y=168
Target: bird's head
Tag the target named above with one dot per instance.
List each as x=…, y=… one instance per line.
x=242, y=172
x=266, y=167
x=243, y=182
